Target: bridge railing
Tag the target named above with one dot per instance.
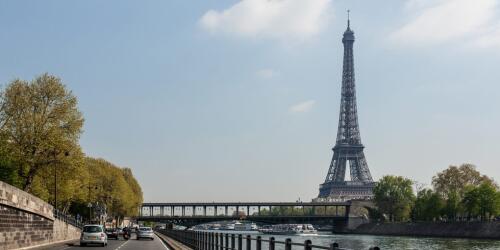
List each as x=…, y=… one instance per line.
x=200, y=240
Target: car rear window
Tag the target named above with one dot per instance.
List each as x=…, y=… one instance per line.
x=92, y=229
x=145, y=229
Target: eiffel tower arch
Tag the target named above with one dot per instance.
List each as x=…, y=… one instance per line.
x=348, y=150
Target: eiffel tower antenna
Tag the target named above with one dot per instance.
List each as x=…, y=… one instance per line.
x=348, y=19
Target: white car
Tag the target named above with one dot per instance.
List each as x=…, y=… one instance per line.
x=93, y=234
x=145, y=232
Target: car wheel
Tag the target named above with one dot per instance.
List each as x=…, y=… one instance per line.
x=103, y=244
x=83, y=244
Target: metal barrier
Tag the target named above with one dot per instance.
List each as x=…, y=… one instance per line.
x=220, y=241
x=67, y=218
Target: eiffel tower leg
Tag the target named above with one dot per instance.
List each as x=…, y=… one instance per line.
x=354, y=169
x=341, y=167
x=337, y=169
x=364, y=171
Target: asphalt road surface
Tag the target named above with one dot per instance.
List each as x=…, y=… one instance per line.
x=132, y=244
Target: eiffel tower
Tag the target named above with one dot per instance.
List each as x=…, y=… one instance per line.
x=348, y=147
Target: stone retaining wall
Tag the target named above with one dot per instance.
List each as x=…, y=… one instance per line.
x=478, y=230
x=27, y=221
x=13, y=197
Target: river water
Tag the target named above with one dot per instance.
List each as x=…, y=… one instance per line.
x=356, y=242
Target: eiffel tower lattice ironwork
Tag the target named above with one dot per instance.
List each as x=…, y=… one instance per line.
x=348, y=148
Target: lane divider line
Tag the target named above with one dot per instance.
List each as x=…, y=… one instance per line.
x=122, y=244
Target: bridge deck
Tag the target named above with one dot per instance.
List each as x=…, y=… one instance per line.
x=252, y=204
x=230, y=210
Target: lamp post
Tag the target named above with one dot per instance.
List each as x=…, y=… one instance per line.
x=89, y=205
x=55, y=186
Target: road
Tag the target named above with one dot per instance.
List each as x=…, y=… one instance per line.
x=132, y=244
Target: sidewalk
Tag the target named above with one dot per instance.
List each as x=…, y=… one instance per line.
x=55, y=246
x=171, y=243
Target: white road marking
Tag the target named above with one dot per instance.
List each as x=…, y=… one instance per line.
x=163, y=243
x=122, y=245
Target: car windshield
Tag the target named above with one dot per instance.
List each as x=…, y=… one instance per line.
x=92, y=229
x=110, y=230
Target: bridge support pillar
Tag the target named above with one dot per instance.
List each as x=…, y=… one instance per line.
x=340, y=226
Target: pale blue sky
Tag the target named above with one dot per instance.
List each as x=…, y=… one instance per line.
x=229, y=100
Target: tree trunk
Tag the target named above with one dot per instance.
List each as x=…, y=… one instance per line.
x=28, y=183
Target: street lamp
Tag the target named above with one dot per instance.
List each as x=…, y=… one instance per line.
x=89, y=205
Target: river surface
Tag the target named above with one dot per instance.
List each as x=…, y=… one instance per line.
x=356, y=242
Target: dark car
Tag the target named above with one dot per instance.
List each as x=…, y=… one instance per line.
x=112, y=233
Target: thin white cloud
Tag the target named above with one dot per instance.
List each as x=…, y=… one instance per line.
x=302, y=107
x=278, y=19
x=490, y=38
x=267, y=73
x=447, y=21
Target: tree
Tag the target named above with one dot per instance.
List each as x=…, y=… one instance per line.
x=40, y=125
x=394, y=197
x=113, y=186
x=451, y=184
x=489, y=200
x=428, y=205
x=471, y=201
x=455, y=179
x=482, y=201
x=8, y=171
x=136, y=199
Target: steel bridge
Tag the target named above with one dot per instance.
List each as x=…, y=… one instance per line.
x=189, y=214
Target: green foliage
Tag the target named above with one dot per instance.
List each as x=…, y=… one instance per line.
x=8, y=171
x=113, y=186
x=394, y=197
x=149, y=224
x=454, y=180
x=482, y=201
x=428, y=206
x=41, y=124
x=40, y=127
x=452, y=184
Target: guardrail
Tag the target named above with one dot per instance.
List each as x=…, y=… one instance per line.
x=199, y=240
x=67, y=218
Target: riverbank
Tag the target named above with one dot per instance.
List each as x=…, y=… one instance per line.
x=473, y=230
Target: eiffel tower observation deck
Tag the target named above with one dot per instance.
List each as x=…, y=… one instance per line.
x=348, y=150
